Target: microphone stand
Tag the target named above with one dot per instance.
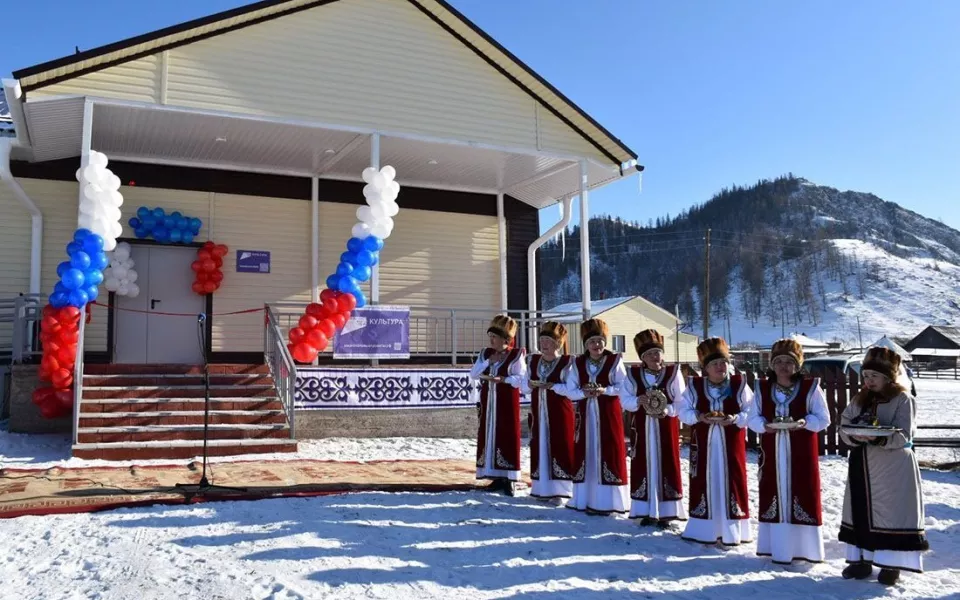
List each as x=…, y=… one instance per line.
x=204, y=487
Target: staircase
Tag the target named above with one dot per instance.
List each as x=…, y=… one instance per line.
x=156, y=412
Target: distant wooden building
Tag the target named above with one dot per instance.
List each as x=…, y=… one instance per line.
x=936, y=345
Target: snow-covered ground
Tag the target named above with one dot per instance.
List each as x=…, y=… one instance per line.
x=400, y=546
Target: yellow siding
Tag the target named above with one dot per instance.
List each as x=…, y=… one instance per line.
x=364, y=63
x=136, y=80
x=15, y=253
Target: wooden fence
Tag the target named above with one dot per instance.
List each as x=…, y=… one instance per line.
x=920, y=373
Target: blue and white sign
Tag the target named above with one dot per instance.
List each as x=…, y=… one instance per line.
x=253, y=261
x=375, y=332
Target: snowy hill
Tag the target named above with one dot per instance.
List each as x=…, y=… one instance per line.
x=786, y=256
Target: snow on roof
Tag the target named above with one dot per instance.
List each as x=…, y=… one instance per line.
x=951, y=352
x=808, y=342
x=596, y=306
x=953, y=333
x=886, y=342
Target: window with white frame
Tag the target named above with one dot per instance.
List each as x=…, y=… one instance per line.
x=619, y=343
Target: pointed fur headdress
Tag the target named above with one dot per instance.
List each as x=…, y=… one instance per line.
x=882, y=360
x=503, y=326
x=787, y=347
x=712, y=349
x=593, y=328
x=555, y=331
x=649, y=339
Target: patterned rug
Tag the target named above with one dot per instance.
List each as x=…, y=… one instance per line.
x=59, y=490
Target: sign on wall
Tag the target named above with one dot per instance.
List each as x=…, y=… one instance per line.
x=253, y=261
x=375, y=332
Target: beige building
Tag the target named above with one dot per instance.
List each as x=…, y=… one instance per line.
x=626, y=317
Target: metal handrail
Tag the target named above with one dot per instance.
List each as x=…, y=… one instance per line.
x=281, y=364
x=78, y=380
x=23, y=313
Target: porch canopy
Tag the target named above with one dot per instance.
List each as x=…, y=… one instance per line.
x=63, y=127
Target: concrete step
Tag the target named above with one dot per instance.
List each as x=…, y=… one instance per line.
x=186, y=417
x=175, y=380
x=173, y=433
x=180, y=449
x=178, y=404
x=215, y=369
x=186, y=391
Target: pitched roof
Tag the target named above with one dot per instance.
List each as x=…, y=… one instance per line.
x=439, y=11
x=953, y=333
x=596, y=306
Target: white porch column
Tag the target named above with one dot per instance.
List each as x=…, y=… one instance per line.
x=315, y=239
x=502, y=251
x=375, y=276
x=86, y=139
x=584, y=239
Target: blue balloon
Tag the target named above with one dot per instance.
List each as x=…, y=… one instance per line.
x=62, y=268
x=59, y=299
x=362, y=273
x=187, y=237
x=348, y=257
x=376, y=258
x=169, y=222
x=72, y=279
x=73, y=248
x=134, y=223
x=92, y=292
x=347, y=284
x=181, y=223
x=365, y=258
x=80, y=260
x=143, y=212
x=142, y=232
x=195, y=225
x=93, y=244
x=344, y=269
x=158, y=213
x=160, y=234
x=372, y=243
x=78, y=298
x=99, y=261
x=176, y=214
x=80, y=235
x=361, y=299
x=354, y=245
x=333, y=282
x=59, y=287
x=176, y=235
x=150, y=223
x=93, y=277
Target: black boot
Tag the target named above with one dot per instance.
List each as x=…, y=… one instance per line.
x=889, y=576
x=647, y=522
x=509, y=488
x=858, y=570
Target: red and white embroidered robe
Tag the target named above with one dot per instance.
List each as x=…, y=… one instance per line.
x=656, y=481
x=551, y=423
x=599, y=450
x=790, y=513
x=498, y=433
x=719, y=509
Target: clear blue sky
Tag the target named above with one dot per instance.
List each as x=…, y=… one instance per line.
x=855, y=94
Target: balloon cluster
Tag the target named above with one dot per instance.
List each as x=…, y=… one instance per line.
x=207, y=267
x=100, y=200
x=120, y=277
x=174, y=228
x=318, y=326
x=59, y=334
x=375, y=225
x=80, y=276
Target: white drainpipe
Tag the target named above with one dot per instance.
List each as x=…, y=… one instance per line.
x=36, y=217
x=532, y=252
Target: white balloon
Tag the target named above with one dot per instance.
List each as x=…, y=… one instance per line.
x=379, y=181
x=111, y=283
x=381, y=230
x=364, y=215
x=113, y=182
x=91, y=174
x=122, y=252
x=98, y=159
x=392, y=209
x=79, y=175
x=370, y=192
x=379, y=212
x=124, y=289
x=116, y=230
x=388, y=172
x=368, y=174
x=88, y=207
x=91, y=191
x=109, y=244
x=116, y=198
x=120, y=272
x=131, y=275
x=361, y=230
x=128, y=263
x=86, y=221
x=133, y=290
x=389, y=195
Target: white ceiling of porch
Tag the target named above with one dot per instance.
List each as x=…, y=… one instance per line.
x=182, y=137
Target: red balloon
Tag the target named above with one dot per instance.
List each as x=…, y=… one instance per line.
x=51, y=324
x=327, y=327
x=338, y=320
x=217, y=261
x=69, y=335
x=52, y=346
x=307, y=322
x=67, y=356
x=49, y=410
x=331, y=306
x=42, y=395
x=198, y=288
x=316, y=310
x=62, y=378
x=209, y=266
x=43, y=373
x=49, y=311
x=303, y=353
x=208, y=244
x=328, y=293
x=220, y=250
x=49, y=362
x=346, y=302
x=196, y=266
x=346, y=316
x=203, y=254
x=296, y=334
x=209, y=287
x=203, y=276
x=69, y=314
x=316, y=339
x=216, y=276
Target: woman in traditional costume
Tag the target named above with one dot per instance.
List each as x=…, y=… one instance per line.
x=788, y=411
x=600, y=461
x=883, y=504
x=653, y=391
x=501, y=369
x=716, y=407
x=551, y=417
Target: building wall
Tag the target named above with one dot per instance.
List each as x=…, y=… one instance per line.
x=931, y=338
x=366, y=63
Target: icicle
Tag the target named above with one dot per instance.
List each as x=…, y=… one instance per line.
x=640, y=183
x=563, y=236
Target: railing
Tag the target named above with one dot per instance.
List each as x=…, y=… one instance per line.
x=282, y=367
x=78, y=380
x=20, y=319
x=447, y=333
x=921, y=373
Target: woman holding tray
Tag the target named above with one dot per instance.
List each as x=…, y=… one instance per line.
x=883, y=504
x=788, y=411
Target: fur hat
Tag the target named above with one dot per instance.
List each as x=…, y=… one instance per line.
x=787, y=347
x=882, y=360
x=555, y=331
x=712, y=349
x=503, y=326
x=648, y=339
x=593, y=328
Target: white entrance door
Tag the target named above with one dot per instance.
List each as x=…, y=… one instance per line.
x=144, y=334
